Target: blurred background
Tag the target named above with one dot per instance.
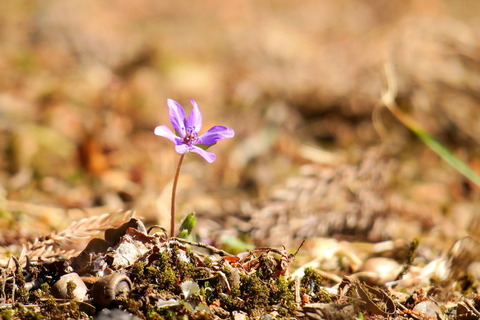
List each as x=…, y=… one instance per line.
x=84, y=83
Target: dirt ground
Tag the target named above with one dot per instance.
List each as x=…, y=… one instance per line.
x=325, y=204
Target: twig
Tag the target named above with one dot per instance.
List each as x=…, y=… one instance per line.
x=203, y=245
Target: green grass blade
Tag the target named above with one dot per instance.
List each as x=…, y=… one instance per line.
x=447, y=155
x=388, y=98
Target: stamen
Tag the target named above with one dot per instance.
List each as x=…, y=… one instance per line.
x=190, y=136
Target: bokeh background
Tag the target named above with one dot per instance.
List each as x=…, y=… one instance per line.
x=83, y=84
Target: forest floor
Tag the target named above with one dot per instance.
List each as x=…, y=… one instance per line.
x=348, y=192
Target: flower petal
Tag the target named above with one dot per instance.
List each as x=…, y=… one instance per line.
x=181, y=148
x=214, y=134
x=177, y=117
x=164, y=131
x=209, y=156
x=194, y=118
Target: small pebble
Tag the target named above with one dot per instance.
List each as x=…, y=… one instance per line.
x=60, y=288
x=378, y=271
x=429, y=308
x=115, y=314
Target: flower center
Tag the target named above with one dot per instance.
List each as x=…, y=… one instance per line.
x=191, y=136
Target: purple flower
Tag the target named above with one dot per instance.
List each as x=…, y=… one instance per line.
x=186, y=138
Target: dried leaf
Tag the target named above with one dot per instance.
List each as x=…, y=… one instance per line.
x=376, y=300
x=50, y=247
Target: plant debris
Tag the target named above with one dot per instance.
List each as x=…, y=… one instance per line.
x=152, y=276
x=389, y=230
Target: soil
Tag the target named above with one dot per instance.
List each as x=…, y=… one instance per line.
x=350, y=189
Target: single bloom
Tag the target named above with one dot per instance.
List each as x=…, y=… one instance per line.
x=186, y=136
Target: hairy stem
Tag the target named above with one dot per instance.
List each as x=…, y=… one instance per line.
x=174, y=191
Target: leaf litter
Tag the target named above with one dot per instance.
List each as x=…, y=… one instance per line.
x=148, y=275
x=371, y=202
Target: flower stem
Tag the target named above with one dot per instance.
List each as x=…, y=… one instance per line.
x=174, y=191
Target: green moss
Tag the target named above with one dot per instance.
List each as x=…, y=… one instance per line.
x=232, y=303
x=207, y=292
x=45, y=288
x=7, y=314
x=200, y=273
x=235, y=292
x=311, y=284
x=52, y=308
x=72, y=311
x=22, y=294
x=254, y=292
x=162, y=273
x=282, y=296
x=323, y=296
x=133, y=306
x=152, y=313
x=41, y=293
x=267, y=267
x=137, y=273
x=171, y=314
x=183, y=269
x=466, y=283
x=311, y=281
x=71, y=286
x=207, y=262
x=27, y=314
